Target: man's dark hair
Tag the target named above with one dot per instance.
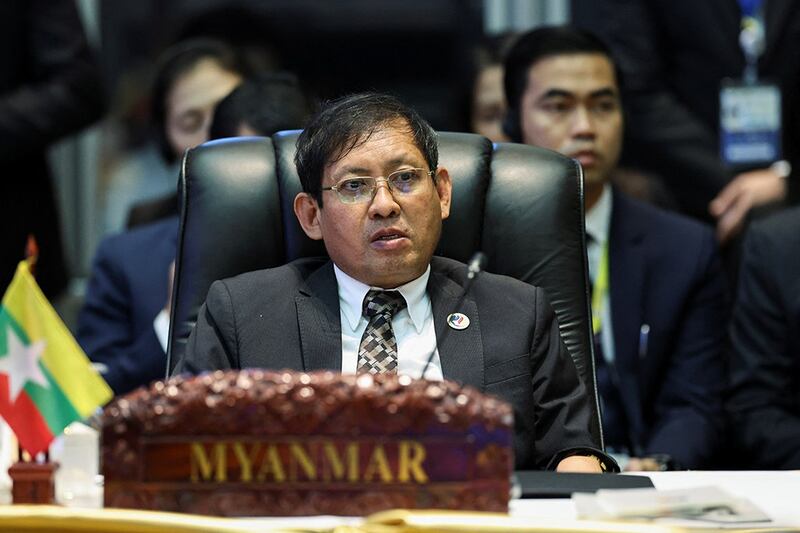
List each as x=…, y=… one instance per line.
x=491, y=50
x=529, y=49
x=344, y=124
x=176, y=62
x=267, y=103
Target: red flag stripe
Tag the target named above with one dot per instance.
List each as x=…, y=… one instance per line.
x=31, y=429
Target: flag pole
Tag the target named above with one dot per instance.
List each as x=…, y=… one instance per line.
x=32, y=253
x=31, y=256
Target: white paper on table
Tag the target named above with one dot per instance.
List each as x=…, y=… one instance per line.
x=709, y=504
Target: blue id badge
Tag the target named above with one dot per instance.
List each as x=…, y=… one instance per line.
x=750, y=123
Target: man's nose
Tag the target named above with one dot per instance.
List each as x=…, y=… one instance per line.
x=383, y=203
x=582, y=123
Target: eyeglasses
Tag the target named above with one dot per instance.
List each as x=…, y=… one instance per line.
x=403, y=182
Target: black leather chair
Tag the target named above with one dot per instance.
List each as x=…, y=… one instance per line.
x=521, y=205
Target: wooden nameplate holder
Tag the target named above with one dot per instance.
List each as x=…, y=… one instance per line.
x=249, y=443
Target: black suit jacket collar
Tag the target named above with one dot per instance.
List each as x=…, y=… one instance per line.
x=626, y=274
x=626, y=285
x=460, y=351
x=319, y=323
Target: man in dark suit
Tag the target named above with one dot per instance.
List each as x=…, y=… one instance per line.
x=764, y=403
x=124, y=322
x=374, y=193
x=658, y=291
x=674, y=56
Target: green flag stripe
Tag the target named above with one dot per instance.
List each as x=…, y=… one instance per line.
x=54, y=406
x=7, y=319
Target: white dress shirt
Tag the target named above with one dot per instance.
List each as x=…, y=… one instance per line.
x=413, y=326
x=161, y=327
x=598, y=224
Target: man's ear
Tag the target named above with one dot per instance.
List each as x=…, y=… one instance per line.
x=307, y=212
x=444, y=186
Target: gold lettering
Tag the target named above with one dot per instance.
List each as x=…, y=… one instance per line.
x=222, y=467
x=301, y=456
x=199, y=462
x=246, y=460
x=337, y=465
x=412, y=454
x=328, y=460
x=378, y=464
x=271, y=464
x=201, y=466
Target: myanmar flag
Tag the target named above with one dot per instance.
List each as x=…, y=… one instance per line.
x=46, y=381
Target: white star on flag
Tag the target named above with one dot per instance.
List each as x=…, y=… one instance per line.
x=21, y=363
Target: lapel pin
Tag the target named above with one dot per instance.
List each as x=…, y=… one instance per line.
x=458, y=321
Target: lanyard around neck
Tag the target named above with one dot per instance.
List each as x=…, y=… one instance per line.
x=752, y=37
x=599, y=290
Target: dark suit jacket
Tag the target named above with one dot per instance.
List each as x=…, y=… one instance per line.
x=765, y=334
x=665, y=272
x=49, y=88
x=288, y=317
x=673, y=54
x=127, y=290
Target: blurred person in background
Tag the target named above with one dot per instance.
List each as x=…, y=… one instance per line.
x=487, y=102
x=192, y=77
x=49, y=88
x=124, y=323
x=679, y=59
x=658, y=291
x=764, y=401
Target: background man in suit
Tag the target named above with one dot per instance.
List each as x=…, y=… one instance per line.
x=674, y=56
x=658, y=294
x=124, y=323
x=765, y=336
x=373, y=192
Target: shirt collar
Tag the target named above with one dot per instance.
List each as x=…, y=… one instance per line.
x=352, y=293
x=598, y=218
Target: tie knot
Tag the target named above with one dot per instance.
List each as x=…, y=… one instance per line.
x=383, y=303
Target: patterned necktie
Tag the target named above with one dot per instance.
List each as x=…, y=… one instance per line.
x=377, y=353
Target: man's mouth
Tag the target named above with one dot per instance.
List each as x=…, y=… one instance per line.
x=585, y=157
x=387, y=236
